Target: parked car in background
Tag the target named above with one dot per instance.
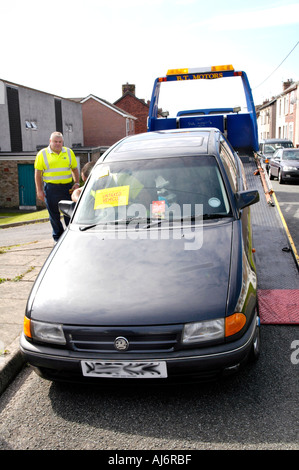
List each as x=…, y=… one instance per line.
x=268, y=147
x=154, y=278
x=284, y=165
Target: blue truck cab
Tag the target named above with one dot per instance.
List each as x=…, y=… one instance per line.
x=240, y=128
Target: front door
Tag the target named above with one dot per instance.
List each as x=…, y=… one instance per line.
x=27, y=197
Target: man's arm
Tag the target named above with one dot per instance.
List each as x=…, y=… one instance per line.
x=38, y=176
x=76, y=177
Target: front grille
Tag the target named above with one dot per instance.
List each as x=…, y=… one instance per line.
x=141, y=339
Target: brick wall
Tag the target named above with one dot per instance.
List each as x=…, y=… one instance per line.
x=9, y=183
x=137, y=108
x=9, y=180
x=101, y=126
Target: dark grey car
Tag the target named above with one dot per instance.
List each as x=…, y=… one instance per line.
x=154, y=277
x=284, y=165
x=268, y=147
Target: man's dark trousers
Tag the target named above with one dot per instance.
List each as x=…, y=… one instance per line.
x=55, y=193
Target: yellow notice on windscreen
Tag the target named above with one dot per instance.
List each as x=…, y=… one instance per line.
x=118, y=196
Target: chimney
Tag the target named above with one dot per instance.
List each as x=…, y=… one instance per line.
x=128, y=87
x=285, y=85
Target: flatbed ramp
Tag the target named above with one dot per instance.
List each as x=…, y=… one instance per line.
x=277, y=269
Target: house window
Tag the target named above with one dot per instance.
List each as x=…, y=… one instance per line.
x=31, y=125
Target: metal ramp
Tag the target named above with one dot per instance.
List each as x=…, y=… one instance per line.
x=277, y=268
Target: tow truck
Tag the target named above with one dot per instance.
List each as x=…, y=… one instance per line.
x=240, y=128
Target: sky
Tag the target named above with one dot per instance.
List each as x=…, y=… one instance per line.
x=73, y=48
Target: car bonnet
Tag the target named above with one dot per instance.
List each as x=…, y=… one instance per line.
x=94, y=279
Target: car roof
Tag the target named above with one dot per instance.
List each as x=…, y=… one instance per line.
x=166, y=144
x=269, y=141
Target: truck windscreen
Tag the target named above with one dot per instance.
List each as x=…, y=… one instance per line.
x=176, y=96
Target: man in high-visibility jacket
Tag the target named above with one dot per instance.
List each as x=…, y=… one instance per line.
x=56, y=176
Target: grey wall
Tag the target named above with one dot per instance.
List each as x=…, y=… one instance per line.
x=4, y=124
x=38, y=107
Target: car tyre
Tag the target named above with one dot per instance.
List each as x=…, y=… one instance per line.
x=280, y=179
x=270, y=174
x=256, y=346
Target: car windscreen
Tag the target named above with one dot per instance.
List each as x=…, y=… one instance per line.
x=158, y=188
x=290, y=155
x=269, y=149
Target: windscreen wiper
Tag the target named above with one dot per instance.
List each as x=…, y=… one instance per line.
x=154, y=222
x=117, y=221
x=87, y=227
x=132, y=218
x=205, y=217
x=216, y=216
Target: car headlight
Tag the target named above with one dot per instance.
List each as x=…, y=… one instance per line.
x=203, y=331
x=289, y=168
x=213, y=329
x=44, y=332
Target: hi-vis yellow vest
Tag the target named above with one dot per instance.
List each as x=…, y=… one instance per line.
x=56, y=169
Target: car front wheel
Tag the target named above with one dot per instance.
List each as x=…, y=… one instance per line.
x=256, y=346
x=280, y=179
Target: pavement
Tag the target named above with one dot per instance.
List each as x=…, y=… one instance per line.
x=277, y=269
x=19, y=267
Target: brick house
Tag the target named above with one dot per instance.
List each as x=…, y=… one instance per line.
x=278, y=117
x=266, y=115
x=287, y=123
x=135, y=106
x=104, y=123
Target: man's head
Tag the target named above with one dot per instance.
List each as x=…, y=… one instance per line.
x=56, y=142
x=86, y=170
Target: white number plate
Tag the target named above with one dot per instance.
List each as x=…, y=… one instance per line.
x=124, y=369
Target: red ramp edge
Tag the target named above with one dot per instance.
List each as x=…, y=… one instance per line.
x=279, y=306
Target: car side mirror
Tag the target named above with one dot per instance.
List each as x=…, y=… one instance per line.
x=247, y=198
x=67, y=207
